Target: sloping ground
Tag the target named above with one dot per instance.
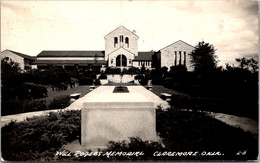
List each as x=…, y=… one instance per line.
x=236, y=121
x=78, y=104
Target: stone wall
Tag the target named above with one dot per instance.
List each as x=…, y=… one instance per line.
x=117, y=78
x=109, y=41
x=175, y=53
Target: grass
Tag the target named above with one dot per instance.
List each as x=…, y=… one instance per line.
x=158, y=89
x=38, y=138
x=79, y=89
x=212, y=104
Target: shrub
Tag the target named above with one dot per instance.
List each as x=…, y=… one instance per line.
x=11, y=107
x=85, y=81
x=137, y=77
x=110, y=70
x=34, y=90
x=14, y=107
x=97, y=82
x=38, y=138
x=61, y=86
x=60, y=102
x=34, y=105
x=103, y=76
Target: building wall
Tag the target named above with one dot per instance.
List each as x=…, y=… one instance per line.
x=112, y=58
x=168, y=54
x=139, y=64
x=70, y=58
x=14, y=57
x=109, y=41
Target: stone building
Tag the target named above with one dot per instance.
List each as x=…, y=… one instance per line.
x=24, y=61
x=121, y=51
x=176, y=54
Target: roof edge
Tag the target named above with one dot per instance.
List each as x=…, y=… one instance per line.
x=174, y=43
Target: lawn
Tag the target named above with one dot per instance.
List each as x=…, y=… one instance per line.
x=212, y=104
x=158, y=89
x=39, y=138
x=84, y=89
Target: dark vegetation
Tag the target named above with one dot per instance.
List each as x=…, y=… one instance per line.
x=15, y=107
x=130, y=71
x=232, y=90
x=22, y=91
x=38, y=139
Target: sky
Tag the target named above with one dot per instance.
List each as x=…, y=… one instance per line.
x=30, y=27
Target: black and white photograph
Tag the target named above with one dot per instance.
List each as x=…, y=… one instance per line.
x=129, y=80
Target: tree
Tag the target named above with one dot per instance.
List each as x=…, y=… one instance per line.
x=9, y=68
x=155, y=61
x=248, y=64
x=143, y=69
x=203, y=58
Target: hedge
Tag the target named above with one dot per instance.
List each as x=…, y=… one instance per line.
x=60, y=102
x=85, y=81
x=14, y=107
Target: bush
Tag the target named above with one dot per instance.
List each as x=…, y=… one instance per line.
x=35, y=105
x=61, y=86
x=38, y=138
x=137, y=77
x=110, y=70
x=11, y=107
x=15, y=107
x=60, y=102
x=97, y=82
x=32, y=90
x=102, y=76
x=85, y=81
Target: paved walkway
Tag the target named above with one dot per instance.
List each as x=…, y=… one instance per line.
x=244, y=123
x=241, y=122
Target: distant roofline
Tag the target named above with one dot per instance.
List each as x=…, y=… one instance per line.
x=46, y=53
x=21, y=54
x=119, y=27
x=174, y=43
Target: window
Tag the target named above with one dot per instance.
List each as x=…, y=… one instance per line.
x=175, y=60
x=121, y=38
x=127, y=41
x=180, y=58
x=184, y=62
x=115, y=41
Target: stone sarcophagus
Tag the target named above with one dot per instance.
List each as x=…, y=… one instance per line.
x=116, y=117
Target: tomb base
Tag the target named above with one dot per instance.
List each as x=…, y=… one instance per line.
x=102, y=122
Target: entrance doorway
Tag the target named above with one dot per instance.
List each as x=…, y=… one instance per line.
x=121, y=61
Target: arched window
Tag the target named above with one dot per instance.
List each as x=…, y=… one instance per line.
x=121, y=38
x=127, y=41
x=115, y=41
